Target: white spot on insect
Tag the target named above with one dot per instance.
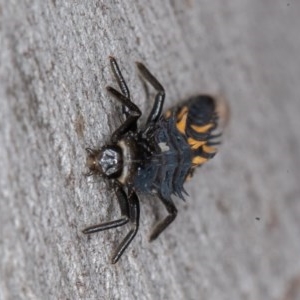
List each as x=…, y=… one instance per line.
x=127, y=157
x=163, y=146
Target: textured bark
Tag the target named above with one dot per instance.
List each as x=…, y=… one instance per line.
x=237, y=237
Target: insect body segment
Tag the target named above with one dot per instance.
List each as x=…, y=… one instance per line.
x=196, y=120
x=156, y=159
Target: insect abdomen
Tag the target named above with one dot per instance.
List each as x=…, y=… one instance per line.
x=182, y=140
x=197, y=119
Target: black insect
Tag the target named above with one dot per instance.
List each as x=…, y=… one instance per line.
x=156, y=158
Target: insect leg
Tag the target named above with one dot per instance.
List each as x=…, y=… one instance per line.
x=134, y=216
x=162, y=225
x=133, y=114
x=160, y=96
x=121, y=82
x=124, y=207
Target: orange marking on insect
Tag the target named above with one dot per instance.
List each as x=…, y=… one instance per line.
x=209, y=149
x=202, y=129
x=181, y=124
x=195, y=144
x=183, y=111
x=198, y=160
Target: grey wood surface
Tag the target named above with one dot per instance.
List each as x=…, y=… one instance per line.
x=238, y=235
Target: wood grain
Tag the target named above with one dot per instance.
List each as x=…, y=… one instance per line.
x=237, y=237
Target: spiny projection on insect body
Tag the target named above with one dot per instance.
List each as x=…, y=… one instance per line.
x=156, y=158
